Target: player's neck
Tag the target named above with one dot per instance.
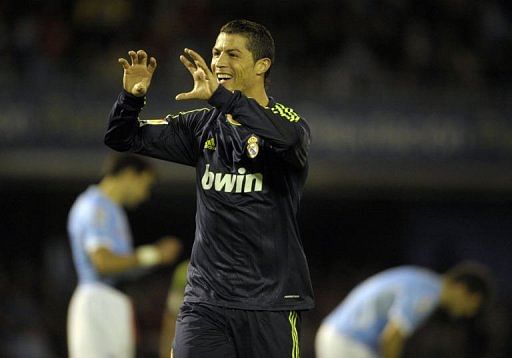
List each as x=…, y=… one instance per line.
x=111, y=190
x=258, y=94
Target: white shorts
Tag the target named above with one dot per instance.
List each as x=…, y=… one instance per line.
x=100, y=323
x=331, y=344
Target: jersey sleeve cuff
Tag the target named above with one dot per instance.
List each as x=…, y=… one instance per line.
x=130, y=101
x=222, y=99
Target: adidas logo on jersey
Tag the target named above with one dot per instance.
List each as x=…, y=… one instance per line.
x=232, y=183
x=210, y=144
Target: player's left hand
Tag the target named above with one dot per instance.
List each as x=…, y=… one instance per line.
x=205, y=82
x=170, y=248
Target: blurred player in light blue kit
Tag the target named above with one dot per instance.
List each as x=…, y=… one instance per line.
x=376, y=318
x=100, y=317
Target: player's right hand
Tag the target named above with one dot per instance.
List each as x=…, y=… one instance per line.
x=137, y=75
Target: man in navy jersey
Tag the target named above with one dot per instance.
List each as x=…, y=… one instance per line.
x=248, y=278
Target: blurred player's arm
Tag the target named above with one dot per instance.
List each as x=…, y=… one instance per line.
x=392, y=340
x=165, y=251
x=409, y=309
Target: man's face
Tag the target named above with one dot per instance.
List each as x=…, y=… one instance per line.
x=137, y=187
x=233, y=64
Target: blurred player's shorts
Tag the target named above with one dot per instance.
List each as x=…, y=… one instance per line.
x=100, y=323
x=331, y=344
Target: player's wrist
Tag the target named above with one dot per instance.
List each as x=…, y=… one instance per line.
x=148, y=255
x=132, y=102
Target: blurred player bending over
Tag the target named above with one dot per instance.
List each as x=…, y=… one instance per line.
x=100, y=318
x=248, y=277
x=375, y=318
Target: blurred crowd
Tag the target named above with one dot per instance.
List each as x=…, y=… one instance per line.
x=343, y=45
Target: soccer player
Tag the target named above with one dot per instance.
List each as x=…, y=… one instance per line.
x=172, y=308
x=375, y=318
x=248, y=278
x=100, y=317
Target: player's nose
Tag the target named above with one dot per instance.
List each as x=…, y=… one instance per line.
x=221, y=60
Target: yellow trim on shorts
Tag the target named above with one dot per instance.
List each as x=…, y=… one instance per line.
x=292, y=318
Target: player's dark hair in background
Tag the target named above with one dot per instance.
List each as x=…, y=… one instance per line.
x=259, y=40
x=475, y=277
x=117, y=162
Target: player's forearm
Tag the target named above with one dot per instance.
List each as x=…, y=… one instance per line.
x=170, y=138
x=123, y=122
x=391, y=350
x=114, y=264
x=391, y=344
x=108, y=263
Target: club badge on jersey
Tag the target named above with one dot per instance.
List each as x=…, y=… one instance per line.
x=253, y=147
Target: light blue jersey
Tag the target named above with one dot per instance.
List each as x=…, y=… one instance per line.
x=406, y=295
x=94, y=221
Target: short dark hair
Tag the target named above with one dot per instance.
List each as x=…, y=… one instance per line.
x=476, y=277
x=259, y=40
x=117, y=162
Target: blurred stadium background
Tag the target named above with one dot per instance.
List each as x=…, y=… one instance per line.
x=410, y=107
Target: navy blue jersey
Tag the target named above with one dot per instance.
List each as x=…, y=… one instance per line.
x=251, y=164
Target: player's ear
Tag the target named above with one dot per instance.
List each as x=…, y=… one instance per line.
x=262, y=66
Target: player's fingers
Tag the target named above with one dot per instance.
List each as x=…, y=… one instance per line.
x=196, y=57
x=152, y=64
x=188, y=64
x=203, y=71
x=201, y=66
x=133, y=56
x=124, y=63
x=200, y=74
x=142, y=57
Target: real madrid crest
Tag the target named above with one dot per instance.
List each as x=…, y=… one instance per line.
x=253, y=147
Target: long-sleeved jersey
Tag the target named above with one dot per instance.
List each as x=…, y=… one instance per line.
x=251, y=164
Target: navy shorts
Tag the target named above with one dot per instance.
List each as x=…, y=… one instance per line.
x=206, y=331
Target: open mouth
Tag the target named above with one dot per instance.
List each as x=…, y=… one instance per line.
x=223, y=77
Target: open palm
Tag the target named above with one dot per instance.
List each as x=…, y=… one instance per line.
x=205, y=82
x=137, y=75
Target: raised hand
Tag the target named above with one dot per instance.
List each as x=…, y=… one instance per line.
x=205, y=82
x=137, y=75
